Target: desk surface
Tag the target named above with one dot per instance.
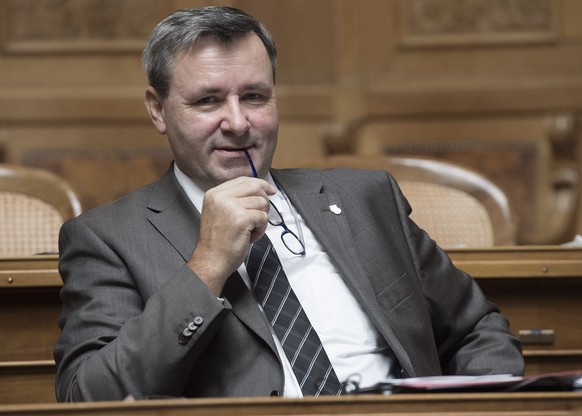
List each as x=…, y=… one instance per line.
x=520, y=262
x=497, y=262
x=433, y=404
x=29, y=300
x=29, y=271
x=500, y=271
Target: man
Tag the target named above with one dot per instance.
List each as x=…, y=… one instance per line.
x=158, y=299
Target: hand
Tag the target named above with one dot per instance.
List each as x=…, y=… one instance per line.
x=234, y=214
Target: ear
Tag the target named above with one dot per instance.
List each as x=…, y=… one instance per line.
x=154, y=105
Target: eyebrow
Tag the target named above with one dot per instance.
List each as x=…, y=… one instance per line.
x=253, y=86
x=259, y=86
x=197, y=94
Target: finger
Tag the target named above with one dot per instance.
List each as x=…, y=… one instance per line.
x=244, y=185
x=259, y=229
x=255, y=202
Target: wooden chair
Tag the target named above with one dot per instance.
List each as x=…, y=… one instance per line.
x=534, y=159
x=33, y=205
x=456, y=206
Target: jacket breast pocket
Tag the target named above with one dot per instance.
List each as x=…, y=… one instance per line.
x=405, y=309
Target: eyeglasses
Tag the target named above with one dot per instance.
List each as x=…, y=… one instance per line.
x=288, y=237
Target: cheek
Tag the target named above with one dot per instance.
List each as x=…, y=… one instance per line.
x=185, y=139
x=266, y=120
x=193, y=129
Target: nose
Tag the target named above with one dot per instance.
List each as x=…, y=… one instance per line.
x=234, y=119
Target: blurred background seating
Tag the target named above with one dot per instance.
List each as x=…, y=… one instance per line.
x=457, y=207
x=33, y=205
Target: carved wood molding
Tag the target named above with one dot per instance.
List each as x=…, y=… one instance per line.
x=79, y=26
x=446, y=23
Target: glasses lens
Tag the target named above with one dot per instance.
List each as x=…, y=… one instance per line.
x=275, y=217
x=292, y=242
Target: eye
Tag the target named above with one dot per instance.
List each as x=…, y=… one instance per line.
x=255, y=97
x=207, y=100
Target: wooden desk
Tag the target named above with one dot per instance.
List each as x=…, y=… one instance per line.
x=537, y=288
x=29, y=309
x=521, y=404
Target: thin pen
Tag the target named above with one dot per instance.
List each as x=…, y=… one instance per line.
x=251, y=163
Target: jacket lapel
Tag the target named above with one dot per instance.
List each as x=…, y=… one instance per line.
x=245, y=308
x=176, y=218
x=173, y=215
x=314, y=198
x=331, y=229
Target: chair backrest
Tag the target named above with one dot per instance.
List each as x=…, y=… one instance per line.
x=33, y=205
x=456, y=206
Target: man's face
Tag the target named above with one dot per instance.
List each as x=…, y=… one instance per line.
x=221, y=101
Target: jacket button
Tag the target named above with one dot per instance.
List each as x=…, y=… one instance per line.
x=198, y=320
x=182, y=339
x=275, y=393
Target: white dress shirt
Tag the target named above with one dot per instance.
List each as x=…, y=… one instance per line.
x=354, y=346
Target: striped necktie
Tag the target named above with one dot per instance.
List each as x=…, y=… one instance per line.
x=300, y=342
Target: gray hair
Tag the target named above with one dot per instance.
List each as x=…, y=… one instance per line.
x=180, y=31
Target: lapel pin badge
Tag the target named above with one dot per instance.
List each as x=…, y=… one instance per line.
x=335, y=209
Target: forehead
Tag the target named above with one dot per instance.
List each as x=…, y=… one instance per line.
x=211, y=57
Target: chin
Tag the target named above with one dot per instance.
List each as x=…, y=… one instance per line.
x=233, y=174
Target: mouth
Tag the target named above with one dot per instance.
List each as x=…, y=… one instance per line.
x=231, y=151
x=234, y=156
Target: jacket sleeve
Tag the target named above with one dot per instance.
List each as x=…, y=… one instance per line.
x=471, y=335
x=117, y=340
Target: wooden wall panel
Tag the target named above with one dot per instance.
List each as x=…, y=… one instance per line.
x=102, y=162
x=304, y=36
x=51, y=26
x=346, y=68
x=455, y=73
x=439, y=66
